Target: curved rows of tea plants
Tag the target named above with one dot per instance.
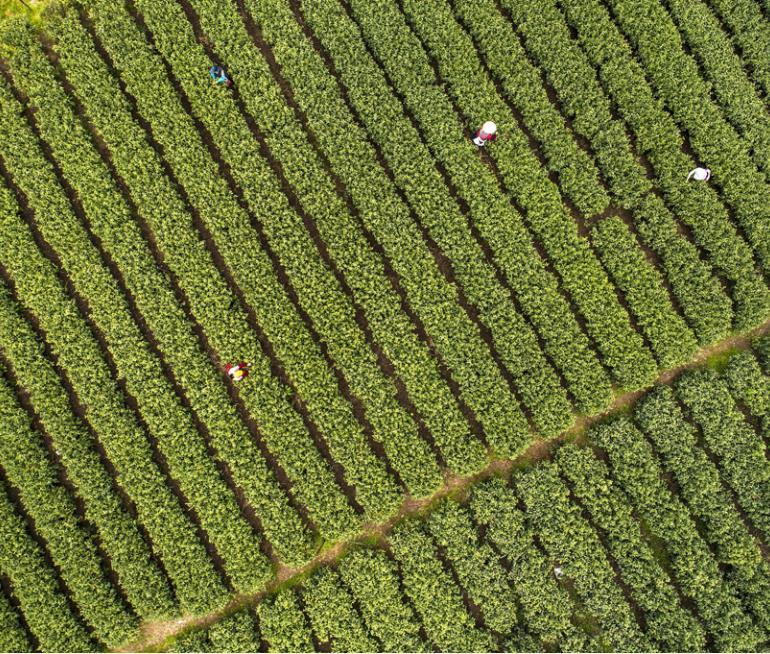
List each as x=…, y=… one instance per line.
x=108, y=214
x=440, y=214
x=53, y=512
x=303, y=364
x=670, y=338
x=159, y=407
x=477, y=567
x=739, y=447
x=623, y=350
x=327, y=407
x=643, y=564
x=204, y=291
x=403, y=244
x=217, y=310
x=120, y=434
x=141, y=579
x=433, y=299
x=546, y=38
x=316, y=193
x=581, y=99
x=691, y=561
x=658, y=137
x=419, y=314
x=470, y=347
x=497, y=221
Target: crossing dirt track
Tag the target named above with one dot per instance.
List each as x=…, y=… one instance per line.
x=502, y=398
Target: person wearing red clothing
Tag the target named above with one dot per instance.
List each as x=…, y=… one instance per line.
x=237, y=371
x=487, y=133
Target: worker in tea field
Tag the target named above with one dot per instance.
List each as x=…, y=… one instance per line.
x=488, y=132
x=238, y=371
x=218, y=76
x=699, y=174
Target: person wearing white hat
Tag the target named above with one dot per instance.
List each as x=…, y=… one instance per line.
x=488, y=132
x=699, y=174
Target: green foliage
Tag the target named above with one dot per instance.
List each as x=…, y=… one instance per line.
x=740, y=449
x=413, y=307
x=330, y=309
x=283, y=624
x=78, y=353
x=572, y=542
x=191, y=641
x=736, y=95
x=385, y=214
x=440, y=216
x=139, y=575
x=35, y=585
x=548, y=41
x=48, y=504
x=364, y=268
x=748, y=384
x=227, y=332
x=761, y=348
x=668, y=623
x=521, y=82
x=499, y=224
x=545, y=604
x=751, y=33
x=183, y=447
x=701, y=488
x=32, y=10
x=477, y=566
x=696, y=570
x=627, y=545
x=373, y=579
x=434, y=594
x=659, y=139
x=269, y=300
x=582, y=276
x=329, y=605
x=235, y=633
x=674, y=75
x=704, y=302
x=110, y=219
x=12, y=635
x=641, y=284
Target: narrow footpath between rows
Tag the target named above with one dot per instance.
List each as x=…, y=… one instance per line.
x=155, y=634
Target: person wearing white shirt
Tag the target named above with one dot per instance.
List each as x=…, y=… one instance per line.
x=699, y=174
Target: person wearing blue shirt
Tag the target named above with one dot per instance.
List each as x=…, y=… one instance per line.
x=218, y=76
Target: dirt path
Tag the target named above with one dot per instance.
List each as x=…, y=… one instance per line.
x=155, y=634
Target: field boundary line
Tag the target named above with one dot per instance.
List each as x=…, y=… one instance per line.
x=156, y=634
